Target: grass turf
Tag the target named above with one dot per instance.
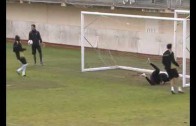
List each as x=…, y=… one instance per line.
x=59, y=94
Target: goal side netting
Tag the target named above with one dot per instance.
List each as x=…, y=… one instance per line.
x=120, y=41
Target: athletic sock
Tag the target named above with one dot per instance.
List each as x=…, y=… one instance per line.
x=179, y=89
x=19, y=69
x=24, y=66
x=172, y=88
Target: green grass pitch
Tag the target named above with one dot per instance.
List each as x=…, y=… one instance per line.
x=59, y=94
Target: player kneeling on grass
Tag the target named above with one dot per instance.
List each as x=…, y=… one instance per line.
x=156, y=77
x=17, y=48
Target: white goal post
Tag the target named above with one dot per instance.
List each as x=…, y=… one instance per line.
x=184, y=58
x=83, y=39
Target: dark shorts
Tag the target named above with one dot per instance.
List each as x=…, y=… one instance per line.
x=34, y=47
x=172, y=73
x=155, y=79
x=23, y=60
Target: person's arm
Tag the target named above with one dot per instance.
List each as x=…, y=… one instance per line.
x=20, y=48
x=30, y=36
x=40, y=38
x=173, y=60
x=23, y=49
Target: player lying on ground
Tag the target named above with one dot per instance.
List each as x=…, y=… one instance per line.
x=17, y=48
x=156, y=77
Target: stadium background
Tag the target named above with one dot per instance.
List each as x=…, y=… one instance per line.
x=59, y=21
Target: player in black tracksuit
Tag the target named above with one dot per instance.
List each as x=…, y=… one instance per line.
x=168, y=60
x=35, y=36
x=156, y=77
x=17, y=48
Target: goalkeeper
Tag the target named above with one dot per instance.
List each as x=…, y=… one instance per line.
x=35, y=36
x=156, y=77
x=17, y=48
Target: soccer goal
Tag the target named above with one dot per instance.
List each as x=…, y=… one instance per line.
x=183, y=46
x=120, y=41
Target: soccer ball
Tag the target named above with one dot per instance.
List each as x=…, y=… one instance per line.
x=30, y=42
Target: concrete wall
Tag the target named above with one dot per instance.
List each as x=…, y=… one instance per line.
x=53, y=22
x=61, y=25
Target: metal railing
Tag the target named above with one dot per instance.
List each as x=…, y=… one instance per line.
x=162, y=4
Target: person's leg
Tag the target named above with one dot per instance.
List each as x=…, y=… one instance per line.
x=19, y=69
x=179, y=86
x=155, y=67
x=34, y=57
x=176, y=76
x=24, y=66
x=172, y=83
x=24, y=62
x=40, y=54
x=173, y=86
x=21, y=61
x=17, y=55
x=34, y=53
x=155, y=75
x=149, y=81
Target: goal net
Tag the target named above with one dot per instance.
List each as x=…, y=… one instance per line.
x=120, y=41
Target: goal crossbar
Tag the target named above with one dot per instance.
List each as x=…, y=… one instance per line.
x=131, y=16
